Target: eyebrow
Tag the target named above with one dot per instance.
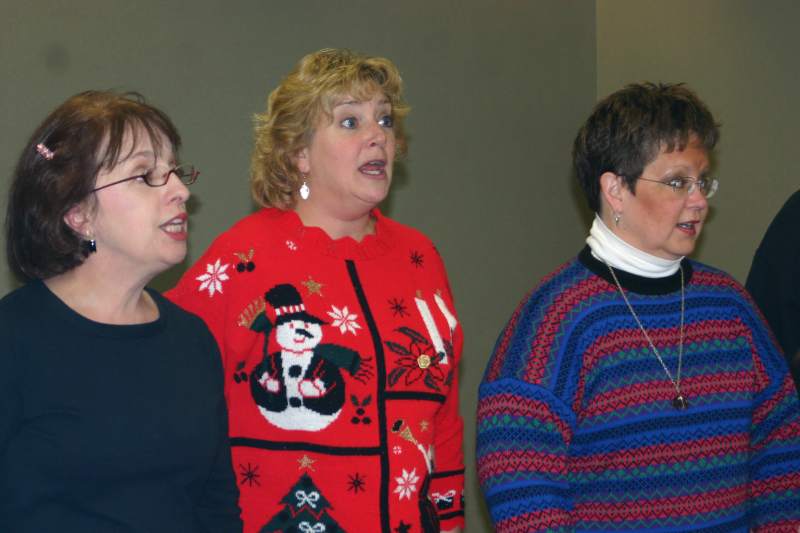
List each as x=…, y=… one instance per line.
x=356, y=102
x=149, y=154
x=140, y=153
x=346, y=102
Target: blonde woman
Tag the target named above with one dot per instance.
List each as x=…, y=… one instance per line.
x=336, y=324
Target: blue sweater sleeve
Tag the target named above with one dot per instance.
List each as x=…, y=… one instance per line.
x=523, y=437
x=775, y=436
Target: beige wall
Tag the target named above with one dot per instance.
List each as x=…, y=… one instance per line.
x=497, y=88
x=741, y=57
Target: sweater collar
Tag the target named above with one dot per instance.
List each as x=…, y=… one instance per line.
x=53, y=304
x=316, y=240
x=635, y=283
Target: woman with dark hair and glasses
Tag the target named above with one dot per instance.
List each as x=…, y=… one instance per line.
x=112, y=415
x=634, y=389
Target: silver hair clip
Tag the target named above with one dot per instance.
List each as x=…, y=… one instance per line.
x=44, y=151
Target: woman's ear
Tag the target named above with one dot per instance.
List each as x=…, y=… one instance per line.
x=79, y=220
x=301, y=161
x=611, y=188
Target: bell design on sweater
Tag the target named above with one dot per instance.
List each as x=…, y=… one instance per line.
x=300, y=387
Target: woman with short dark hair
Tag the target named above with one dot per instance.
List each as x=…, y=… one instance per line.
x=635, y=389
x=112, y=414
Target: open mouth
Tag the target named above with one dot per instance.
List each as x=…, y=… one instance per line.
x=689, y=226
x=376, y=167
x=176, y=226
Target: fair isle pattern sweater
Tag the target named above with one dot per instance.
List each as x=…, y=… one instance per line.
x=341, y=375
x=576, y=427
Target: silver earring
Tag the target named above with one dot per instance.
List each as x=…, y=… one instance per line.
x=616, y=219
x=305, y=192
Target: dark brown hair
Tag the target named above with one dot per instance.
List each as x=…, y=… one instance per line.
x=85, y=135
x=627, y=130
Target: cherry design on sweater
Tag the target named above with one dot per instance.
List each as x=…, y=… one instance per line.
x=245, y=263
x=301, y=387
x=361, y=416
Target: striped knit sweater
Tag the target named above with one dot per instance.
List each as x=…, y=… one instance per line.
x=576, y=428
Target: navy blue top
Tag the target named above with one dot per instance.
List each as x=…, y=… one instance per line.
x=773, y=281
x=108, y=428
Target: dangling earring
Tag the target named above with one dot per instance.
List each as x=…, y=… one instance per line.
x=616, y=219
x=90, y=245
x=305, y=192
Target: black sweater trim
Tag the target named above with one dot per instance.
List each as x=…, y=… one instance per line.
x=380, y=363
x=632, y=282
x=411, y=395
x=304, y=446
x=447, y=473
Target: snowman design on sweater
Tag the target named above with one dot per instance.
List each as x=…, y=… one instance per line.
x=300, y=387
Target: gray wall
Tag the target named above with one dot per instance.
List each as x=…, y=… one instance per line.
x=498, y=90
x=741, y=57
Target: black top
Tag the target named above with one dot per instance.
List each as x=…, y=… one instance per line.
x=774, y=280
x=107, y=428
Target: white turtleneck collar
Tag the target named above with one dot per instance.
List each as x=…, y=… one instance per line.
x=607, y=247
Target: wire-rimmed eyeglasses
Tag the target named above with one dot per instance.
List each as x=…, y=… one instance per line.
x=686, y=186
x=186, y=173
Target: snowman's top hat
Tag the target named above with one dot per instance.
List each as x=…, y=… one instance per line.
x=288, y=305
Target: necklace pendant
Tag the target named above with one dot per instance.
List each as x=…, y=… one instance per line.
x=680, y=403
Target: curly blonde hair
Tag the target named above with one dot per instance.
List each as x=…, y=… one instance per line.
x=308, y=93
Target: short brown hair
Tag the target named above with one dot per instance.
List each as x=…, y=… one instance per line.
x=627, y=130
x=296, y=105
x=84, y=135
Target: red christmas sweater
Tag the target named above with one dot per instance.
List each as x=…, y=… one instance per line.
x=341, y=375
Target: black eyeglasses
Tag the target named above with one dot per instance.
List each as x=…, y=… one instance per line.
x=686, y=186
x=186, y=173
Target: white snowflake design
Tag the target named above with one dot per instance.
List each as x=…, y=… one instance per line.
x=291, y=245
x=406, y=484
x=397, y=450
x=344, y=320
x=213, y=278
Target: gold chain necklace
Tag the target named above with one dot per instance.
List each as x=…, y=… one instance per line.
x=679, y=402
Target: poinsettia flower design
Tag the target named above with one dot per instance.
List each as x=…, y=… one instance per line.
x=344, y=320
x=213, y=277
x=406, y=483
x=418, y=360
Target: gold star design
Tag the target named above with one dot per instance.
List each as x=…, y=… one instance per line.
x=306, y=462
x=313, y=287
x=424, y=425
